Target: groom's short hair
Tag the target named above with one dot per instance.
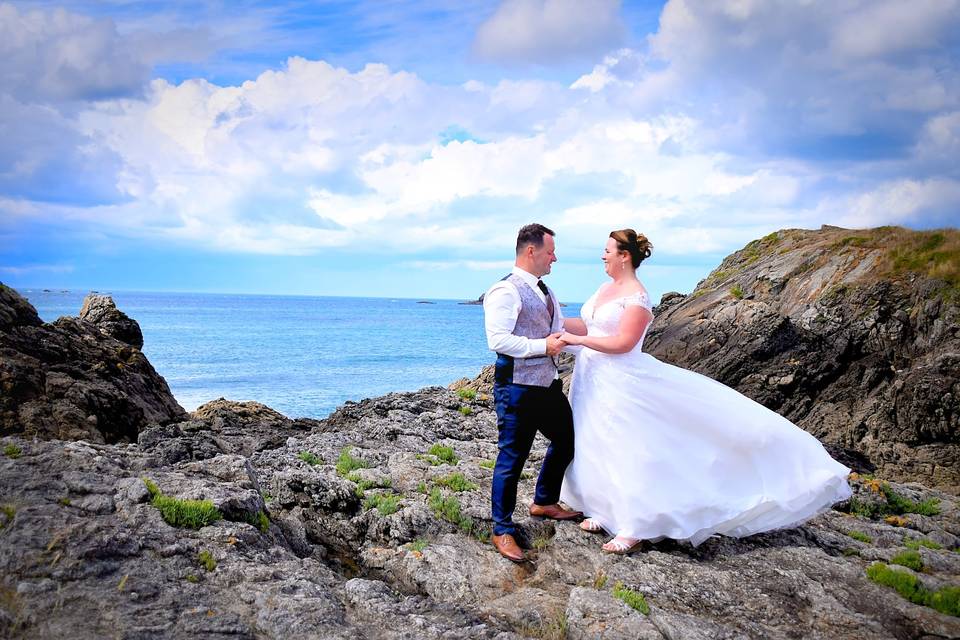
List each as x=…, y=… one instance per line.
x=532, y=234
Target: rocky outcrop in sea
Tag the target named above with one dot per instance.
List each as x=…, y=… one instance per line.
x=77, y=378
x=235, y=520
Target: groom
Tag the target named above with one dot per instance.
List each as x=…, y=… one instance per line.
x=523, y=323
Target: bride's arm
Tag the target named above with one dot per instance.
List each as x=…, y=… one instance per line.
x=633, y=323
x=575, y=326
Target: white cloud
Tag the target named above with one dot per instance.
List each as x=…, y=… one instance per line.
x=740, y=118
x=549, y=31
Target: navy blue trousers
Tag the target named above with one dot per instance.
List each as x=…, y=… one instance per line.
x=523, y=410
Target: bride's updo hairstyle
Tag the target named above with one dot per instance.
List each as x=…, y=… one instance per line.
x=636, y=244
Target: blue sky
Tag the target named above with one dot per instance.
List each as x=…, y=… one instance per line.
x=393, y=148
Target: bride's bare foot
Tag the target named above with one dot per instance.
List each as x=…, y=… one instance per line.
x=591, y=525
x=622, y=545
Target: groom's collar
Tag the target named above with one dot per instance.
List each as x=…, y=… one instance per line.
x=526, y=276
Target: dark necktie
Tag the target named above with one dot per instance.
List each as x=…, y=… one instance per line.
x=546, y=294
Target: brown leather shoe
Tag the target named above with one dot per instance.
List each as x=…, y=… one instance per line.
x=508, y=547
x=554, y=512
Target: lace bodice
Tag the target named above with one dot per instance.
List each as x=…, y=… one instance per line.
x=604, y=320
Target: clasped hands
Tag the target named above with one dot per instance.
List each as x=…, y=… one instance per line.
x=557, y=341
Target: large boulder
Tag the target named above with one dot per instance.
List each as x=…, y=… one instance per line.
x=70, y=380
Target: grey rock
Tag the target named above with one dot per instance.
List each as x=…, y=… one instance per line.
x=101, y=311
x=68, y=380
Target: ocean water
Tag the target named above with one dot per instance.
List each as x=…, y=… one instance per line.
x=301, y=355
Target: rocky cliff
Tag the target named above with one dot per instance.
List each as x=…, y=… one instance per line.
x=853, y=335
x=77, y=378
x=374, y=523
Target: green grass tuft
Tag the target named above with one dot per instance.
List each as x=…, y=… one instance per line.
x=421, y=487
x=448, y=508
x=310, y=458
x=893, y=504
x=152, y=487
x=633, y=599
x=916, y=543
x=385, y=503
x=189, y=514
x=859, y=535
x=945, y=600
x=261, y=521
x=736, y=291
x=205, y=558
x=442, y=453
x=192, y=578
x=465, y=410
x=417, y=545
x=910, y=559
x=467, y=394
x=487, y=464
x=12, y=451
x=64, y=502
x=600, y=579
x=8, y=512
x=456, y=482
x=347, y=463
x=850, y=551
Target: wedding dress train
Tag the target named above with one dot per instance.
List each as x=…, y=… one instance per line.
x=663, y=452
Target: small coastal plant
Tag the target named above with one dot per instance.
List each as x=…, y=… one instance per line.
x=541, y=542
x=12, y=451
x=261, y=521
x=916, y=543
x=64, y=502
x=206, y=560
x=910, y=559
x=487, y=464
x=364, y=485
x=736, y=291
x=633, y=599
x=310, y=458
x=347, y=463
x=893, y=503
x=8, y=512
x=189, y=514
x=456, y=482
x=448, y=508
x=465, y=410
x=555, y=628
x=385, y=503
x=443, y=454
x=945, y=600
x=600, y=579
x=467, y=394
x=859, y=535
x=417, y=545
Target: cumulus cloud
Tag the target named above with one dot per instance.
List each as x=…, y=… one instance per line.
x=737, y=118
x=549, y=31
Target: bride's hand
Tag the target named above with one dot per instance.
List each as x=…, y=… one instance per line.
x=571, y=338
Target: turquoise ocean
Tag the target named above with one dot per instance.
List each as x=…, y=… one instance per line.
x=300, y=355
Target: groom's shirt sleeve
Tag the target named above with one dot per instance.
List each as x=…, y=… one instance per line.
x=501, y=308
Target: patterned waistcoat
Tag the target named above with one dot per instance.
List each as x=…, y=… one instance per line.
x=533, y=322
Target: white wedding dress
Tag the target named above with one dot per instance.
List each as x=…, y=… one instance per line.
x=663, y=452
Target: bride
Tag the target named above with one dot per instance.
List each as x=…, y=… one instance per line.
x=663, y=452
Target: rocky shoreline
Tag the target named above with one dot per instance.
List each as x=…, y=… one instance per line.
x=123, y=516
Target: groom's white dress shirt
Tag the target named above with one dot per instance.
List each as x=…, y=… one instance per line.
x=501, y=307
